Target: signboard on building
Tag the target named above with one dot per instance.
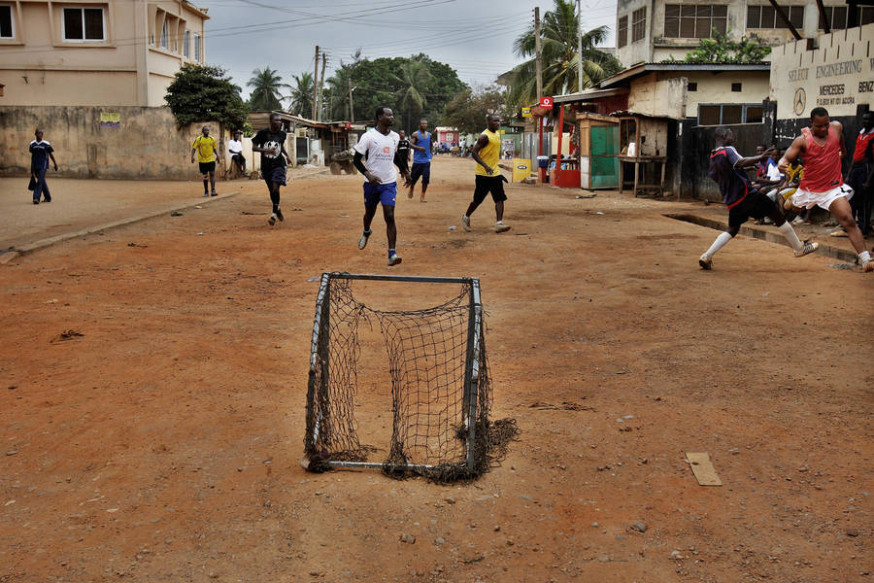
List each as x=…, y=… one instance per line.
x=526, y=112
x=546, y=102
x=839, y=75
x=110, y=120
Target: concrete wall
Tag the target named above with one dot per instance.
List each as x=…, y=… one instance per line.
x=666, y=93
x=837, y=75
x=146, y=145
x=39, y=67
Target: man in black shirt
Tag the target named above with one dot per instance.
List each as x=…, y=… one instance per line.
x=403, y=152
x=271, y=144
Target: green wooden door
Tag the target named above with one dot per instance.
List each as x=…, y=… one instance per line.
x=605, y=149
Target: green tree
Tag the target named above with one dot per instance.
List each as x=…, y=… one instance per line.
x=266, y=87
x=560, y=56
x=203, y=93
x=467, y=111
x=302, y=96
x=721, y=49
x=414, y=81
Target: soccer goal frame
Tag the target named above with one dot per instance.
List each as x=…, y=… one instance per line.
x=472, y=428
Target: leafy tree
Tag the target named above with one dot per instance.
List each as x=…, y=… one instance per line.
x=414, y=80
x=203, y=93
x=721, y=49
x=302, y=96
x=560, y=62
x=468, y=110
x=266, y=85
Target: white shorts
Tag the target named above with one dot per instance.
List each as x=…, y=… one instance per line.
x=808, y=200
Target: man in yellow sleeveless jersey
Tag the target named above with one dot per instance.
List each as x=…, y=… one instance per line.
x=486, y=153
x=207, y=154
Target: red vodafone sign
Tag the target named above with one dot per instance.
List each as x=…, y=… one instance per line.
x=546, y=102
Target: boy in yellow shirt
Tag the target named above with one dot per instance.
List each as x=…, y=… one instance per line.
x=207, y=155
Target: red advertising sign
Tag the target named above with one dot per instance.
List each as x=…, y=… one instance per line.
x=546, y=102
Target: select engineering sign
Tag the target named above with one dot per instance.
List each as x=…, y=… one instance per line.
x=836, y=80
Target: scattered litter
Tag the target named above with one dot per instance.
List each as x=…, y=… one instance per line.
x=132, y=244
x=200, y=234
x=296, y=209
x=197, y=206
x=846, y=266
x=176, y=214
x=451, y=227
x=703, y=469
x=315, y=278
x=52, y=301
x=599, y=213
x=586, y=196
x=251, y=213
x=67, y=335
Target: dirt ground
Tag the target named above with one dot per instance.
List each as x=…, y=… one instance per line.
x=163, y=443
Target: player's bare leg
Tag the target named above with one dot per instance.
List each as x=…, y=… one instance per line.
x=500, y=227
x=391, y=233
x=841, y=210
x=369, y=213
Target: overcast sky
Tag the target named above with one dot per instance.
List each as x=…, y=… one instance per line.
x=475, y=37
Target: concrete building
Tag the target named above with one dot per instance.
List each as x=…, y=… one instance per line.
x=96, y=52
x=649, y=31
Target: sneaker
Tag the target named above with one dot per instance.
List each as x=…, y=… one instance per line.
x=422, y=198
x=214, y=193
x=767, y=221
x=807, y=249
x=272, y=220
x=206, y=195
x=465, y=221
x=501, y=228
x=362, y=242
x=278, y=214
x=838, y=233
x=798, y=221
x=36, y=202
x=394, y=259
x=705, y=263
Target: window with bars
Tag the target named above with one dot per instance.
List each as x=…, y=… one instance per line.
x=83, y=24
x=197, y=48
x=638, y=25
x=622, y=32
x=838, y=16
x=730, y=113
x=767, y=17
x=165, y=34
x=688, y=21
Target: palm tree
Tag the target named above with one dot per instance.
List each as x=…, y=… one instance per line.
x=414, y=79
x=302, y=96
x=266, y=85
x=559, y=49
x=339, y=86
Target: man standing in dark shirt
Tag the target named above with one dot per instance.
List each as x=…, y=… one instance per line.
x=403, y=152
x=271, y=144
x=40, y=153
x=742, y=199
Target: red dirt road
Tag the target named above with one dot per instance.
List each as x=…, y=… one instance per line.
x=163, y=444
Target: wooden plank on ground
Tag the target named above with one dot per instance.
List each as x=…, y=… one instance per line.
x=703, y=469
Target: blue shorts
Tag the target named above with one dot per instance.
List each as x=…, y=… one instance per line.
x=422, y=169
x=380, y=193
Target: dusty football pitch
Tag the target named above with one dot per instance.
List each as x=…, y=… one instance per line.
x=154, y=387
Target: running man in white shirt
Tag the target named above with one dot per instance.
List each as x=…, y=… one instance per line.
x=376, y=158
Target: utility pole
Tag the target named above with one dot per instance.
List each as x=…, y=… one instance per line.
x=579, y=48
x=322, y=82
x=316, y=83
x=537, y=52
x=351, y=103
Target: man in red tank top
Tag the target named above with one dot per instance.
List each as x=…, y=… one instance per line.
x=822, y=146
x=861, y=174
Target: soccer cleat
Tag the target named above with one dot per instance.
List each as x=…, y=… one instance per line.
x=705, y=262
x=279, y=215
x=272, y=220
x=465, y=221
x=362, y=242
x=394, y=259
x=501, y=228
x=807, y=249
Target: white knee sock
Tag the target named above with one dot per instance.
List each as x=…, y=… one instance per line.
x=720, y=242
x=790, y=235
